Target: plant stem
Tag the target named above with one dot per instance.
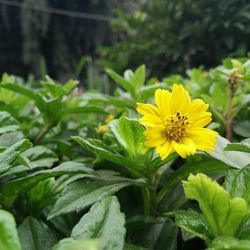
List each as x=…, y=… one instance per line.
x=146, y=200
x=229, y=116
x=229, y=120
x=42, y=133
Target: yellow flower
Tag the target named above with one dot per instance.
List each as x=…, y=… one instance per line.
x=101, y=129
x=176, y=123
x=109, y=118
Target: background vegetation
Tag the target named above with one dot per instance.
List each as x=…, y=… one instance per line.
x=167, y=36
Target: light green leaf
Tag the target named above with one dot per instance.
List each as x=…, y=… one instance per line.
x=9, y=156
x=71, y=244
x=81, y=194
x=121, y=81
x=193, y=223
x=233, y=159
x=99, y=223
x=229, y=243
x=129, y=134
x=8, y=233
x=139, y=77
x=35, y=235
x=223, y=214
x=243, y=146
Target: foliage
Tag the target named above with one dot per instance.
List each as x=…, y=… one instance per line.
x=171, y=36
x=75, y=172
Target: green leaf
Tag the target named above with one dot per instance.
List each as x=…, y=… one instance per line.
x=205, y=165
x=35, y=235
x=223, y=214
x=81, y=194
x=231, y=158
x=53, y=110
x=8, y=233
x=161, y=235
x=229, y=243
x=99, y=223
x=8, y=123
x=138, y=78
x=9, y=156
x=87, y=109
x=242, y=128
x=134, y=247
x=40, y=156
x=237, y=183
x=121, y=81
x=193, y=223
x=243, y=146
x=244, y=232
x=20, y=89
x=108, y=155
x=129, y=134
x=11, y=190
x=71, y=244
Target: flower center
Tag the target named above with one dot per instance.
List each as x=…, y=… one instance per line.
x=176, y=126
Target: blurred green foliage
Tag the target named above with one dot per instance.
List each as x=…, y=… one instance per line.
x=171, y=36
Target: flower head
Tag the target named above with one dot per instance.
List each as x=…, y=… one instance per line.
x=176, y=123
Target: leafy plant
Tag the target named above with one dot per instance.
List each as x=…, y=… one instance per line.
x=91, y=178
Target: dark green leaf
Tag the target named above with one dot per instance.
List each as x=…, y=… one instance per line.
x=206, y=165
x=13, y=188
x=108, y=155
x=81, y=194
x=193, y=223
x=35, y=235
x=237, y=183
x=105, y=222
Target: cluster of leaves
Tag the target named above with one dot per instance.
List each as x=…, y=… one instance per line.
x=75, y=172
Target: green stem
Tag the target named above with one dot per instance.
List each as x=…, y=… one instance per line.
x=229, y=118
x=42, y=133
x=149, y=195
x=146, y=200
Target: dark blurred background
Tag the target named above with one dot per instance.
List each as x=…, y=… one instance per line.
x=79, y=38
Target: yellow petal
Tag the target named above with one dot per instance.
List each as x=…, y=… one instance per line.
x=204, y=138
x=147, y=109
x=165, y=149
x=155, y=136
x=151, y=121
x=163, y=101
x=180, y=99
x=200, y=119
x=197, y=106
x=185, y=148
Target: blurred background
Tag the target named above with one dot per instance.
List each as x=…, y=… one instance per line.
x=80, y=38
